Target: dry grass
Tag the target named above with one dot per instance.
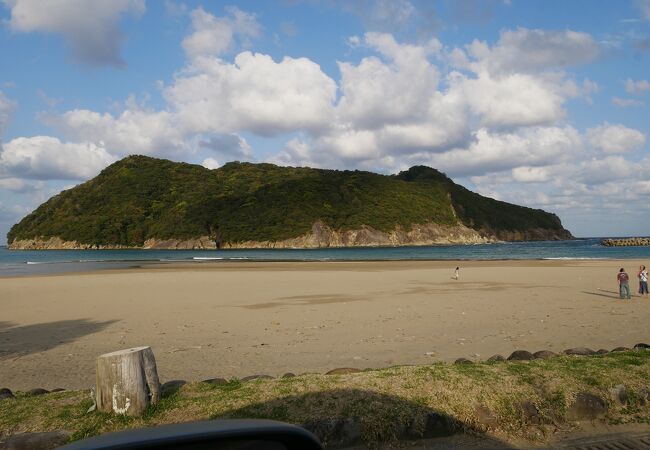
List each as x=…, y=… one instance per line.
x=382, y=401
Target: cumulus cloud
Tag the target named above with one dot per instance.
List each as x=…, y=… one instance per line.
x=529, y=51
x=47, y=158
x=210, y=163
x=520, y=81
x=527, y=174
x=255, y=93
x=231, y=146
x=498, y=151
x=89, y=27
x=406, y=82
x=638, y=87
x=393, y=104
x=21, y=186
x=615, y=138
x=135, y=130
x=214, y=36
x=517, y=99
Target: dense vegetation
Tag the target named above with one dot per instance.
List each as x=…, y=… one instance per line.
x=141, y=197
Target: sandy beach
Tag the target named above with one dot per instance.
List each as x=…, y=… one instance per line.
x=206, y=320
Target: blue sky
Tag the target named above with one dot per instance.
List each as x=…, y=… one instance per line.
x=541, y=103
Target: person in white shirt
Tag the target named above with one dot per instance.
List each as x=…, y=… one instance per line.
x=643, y=281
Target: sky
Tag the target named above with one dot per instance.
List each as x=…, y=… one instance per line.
x=540, y=103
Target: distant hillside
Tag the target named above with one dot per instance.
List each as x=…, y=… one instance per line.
x=147, y=202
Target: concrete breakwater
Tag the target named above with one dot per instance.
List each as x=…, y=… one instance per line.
x=627, y=242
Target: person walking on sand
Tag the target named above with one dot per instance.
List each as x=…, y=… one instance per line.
x=643, y=281
x=623, y=284
x=457, y=273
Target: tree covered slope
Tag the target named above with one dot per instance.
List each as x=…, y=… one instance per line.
x=140, y=198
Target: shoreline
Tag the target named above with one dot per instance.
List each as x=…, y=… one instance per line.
x=236, y=262
x=234, y=319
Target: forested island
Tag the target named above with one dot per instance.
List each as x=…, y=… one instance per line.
x=144, y=202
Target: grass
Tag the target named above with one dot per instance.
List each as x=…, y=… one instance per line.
x=383, y=402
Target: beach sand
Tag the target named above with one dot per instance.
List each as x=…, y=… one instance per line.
x=206, y=320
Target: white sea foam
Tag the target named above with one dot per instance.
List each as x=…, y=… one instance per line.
x=220, y=258
x=568, y=258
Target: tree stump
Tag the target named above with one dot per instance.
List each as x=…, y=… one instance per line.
x=127, y=381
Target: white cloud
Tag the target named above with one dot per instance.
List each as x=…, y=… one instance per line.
x=44, y=157
x=214, y=36
x=638, y=87
x=530, y=51
x=231, y=146
x=598, y=171
x=615, y=138
x=89, y=27
x=517, y=99
x=20, y=185
x=494, y=152
x=210, y=163
x=375, y=92
x=134, y=131
x=520, y=80
x=527, y=174
x=626, y=102
x=254, y=94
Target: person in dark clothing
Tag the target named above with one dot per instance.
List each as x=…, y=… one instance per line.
x=623, y=284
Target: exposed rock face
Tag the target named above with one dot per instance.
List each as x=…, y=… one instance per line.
x=320, y=236
x=629, y=242
x=56, y=243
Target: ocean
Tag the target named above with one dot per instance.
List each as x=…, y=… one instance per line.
x=32, y=262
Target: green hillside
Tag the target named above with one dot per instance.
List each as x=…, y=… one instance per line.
x=141, y=197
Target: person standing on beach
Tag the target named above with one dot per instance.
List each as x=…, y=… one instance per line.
x=643, y=281
x=623, y=284
x=457, y=273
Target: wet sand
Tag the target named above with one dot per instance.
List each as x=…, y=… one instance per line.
x=206, y=320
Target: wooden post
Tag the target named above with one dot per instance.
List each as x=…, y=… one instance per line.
x=127, y=381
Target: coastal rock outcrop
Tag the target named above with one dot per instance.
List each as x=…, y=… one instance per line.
x=320, y=236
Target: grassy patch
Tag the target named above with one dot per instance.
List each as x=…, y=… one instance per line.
x=384, y=402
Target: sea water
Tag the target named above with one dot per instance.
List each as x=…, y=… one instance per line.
x=28, y=262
